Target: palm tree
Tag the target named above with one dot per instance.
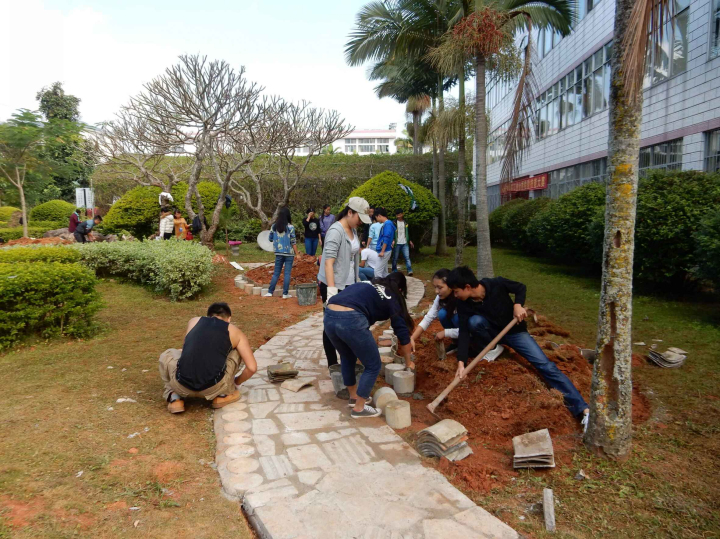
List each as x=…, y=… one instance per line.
x=405, y=30
x=610, y=428
x=417, y=106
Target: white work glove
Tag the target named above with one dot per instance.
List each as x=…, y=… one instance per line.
x=332, y=291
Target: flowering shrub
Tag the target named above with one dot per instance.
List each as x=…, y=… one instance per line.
x=49, y=298
x=177, y=268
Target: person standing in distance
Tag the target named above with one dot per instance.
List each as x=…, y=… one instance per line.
x=384, y=242
x=312, y=232
x=402, y=239
x=326, y=221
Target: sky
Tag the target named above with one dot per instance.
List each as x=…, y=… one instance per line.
x=104, y=50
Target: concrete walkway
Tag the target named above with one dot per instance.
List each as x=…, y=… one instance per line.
x=304, y=469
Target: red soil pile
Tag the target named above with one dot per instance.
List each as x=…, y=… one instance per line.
x=38, y=241
x=304, y=270
x=503, y=399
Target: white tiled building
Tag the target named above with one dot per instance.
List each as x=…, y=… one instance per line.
x=367, y=141
x=681, y=112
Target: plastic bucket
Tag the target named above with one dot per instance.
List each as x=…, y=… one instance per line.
x=306, y=293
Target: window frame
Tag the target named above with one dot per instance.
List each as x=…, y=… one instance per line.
x=670, y=24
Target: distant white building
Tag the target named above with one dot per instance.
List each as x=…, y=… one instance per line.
x=364, y=142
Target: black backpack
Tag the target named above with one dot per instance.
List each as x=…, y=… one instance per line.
x=196, y=225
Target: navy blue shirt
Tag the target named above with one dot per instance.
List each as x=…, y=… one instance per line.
x=376, y=303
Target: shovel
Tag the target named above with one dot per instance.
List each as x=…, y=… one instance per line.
x=434, y=404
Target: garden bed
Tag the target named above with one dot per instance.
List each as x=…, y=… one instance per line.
x=500, y=400
x=38, y=241
x=304, y=270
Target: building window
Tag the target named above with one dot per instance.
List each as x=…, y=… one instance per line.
x=667, y=54
x=364, y=148
x=566, y=179
x=496, y=143
x=664, y=156
x=715, y=21
x=367, y=141
x=351, y=149
x=383, y=148
x=350, y=141
x=712, y=151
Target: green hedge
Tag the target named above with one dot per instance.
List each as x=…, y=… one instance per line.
x=707, y=245
x=177, y=268
x=246, y=231
x=65, y=255
x=383, y=190
x=6, y=212
x=496, y=219
x=676, y=229
x=15, y=233
x=515, y=224
x=46, y=298
x=53, y=210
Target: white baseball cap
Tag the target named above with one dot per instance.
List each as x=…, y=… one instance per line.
x=361, y=206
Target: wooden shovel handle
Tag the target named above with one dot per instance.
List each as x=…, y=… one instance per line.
x=434, y=404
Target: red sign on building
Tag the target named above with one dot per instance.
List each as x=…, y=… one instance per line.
x=529, y=183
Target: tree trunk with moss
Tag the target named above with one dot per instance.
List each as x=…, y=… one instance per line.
x=484, y=253
x=441, y=246
x=610, y=428
x=462, y=181
x=434, y=237
x=417, y=150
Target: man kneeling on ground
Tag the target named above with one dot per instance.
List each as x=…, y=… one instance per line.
x=484, y=309
x=208, y=364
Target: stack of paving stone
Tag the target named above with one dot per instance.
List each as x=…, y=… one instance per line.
x=281, y=372
x=448, y=439
x=672, y=358
x=534, y=450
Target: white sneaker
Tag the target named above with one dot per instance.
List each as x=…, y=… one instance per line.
x=367, y=411
x=584, y=422
x=495, y=353
x=268, y=295
x=286, y=296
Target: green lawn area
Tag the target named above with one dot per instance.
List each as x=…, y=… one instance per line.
x=669, y=486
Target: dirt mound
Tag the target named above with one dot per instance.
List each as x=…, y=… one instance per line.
x=39, y=241
x=304, y=270
x=503, y=399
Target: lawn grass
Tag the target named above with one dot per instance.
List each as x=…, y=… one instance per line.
x=669, y=486
x=60, y=417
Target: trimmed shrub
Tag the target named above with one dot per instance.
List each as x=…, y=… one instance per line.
x=497, y=216
x=6, y=212
x=54, y=210
x=49, y=298
x=15, y=233
x=671, y=206
x=177, y=268
x=707, y=245
x=565, y=230
x=515, y=223
x=383, y=190
x=247, y=230
x=50, y=225
x=138, y=211
x=538, y=229
x=64, y=255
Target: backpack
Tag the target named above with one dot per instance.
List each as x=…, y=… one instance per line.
x=196, y=225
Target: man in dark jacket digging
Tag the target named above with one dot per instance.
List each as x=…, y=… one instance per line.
x=208, y=364
x=484, y=309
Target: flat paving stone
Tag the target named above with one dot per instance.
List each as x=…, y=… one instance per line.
x=304, y=470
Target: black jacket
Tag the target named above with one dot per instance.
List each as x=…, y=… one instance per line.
x=496, y=308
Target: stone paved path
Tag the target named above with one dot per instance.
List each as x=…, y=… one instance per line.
x=304, y=469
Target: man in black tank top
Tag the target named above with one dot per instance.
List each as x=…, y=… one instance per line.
x=208, y=364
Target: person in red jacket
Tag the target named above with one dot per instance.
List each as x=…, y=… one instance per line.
x=74, y=221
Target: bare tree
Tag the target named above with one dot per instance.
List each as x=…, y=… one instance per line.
x=295, y=126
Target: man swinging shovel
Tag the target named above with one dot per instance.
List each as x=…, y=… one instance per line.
x=484, y=307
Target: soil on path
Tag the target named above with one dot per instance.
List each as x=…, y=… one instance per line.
x=38, y=241
x=500, y=400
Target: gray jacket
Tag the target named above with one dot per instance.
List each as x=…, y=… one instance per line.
x=338, y=246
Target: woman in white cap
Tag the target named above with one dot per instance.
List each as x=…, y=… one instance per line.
x=340, y=265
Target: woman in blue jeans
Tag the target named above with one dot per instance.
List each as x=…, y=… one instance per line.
x=282, y=234
x=348, y=318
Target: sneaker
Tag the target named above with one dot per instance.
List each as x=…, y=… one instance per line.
x=410, y=273
x=495, y=353
x=451, y=348
x=286, y=296
x=351, y=402
x=268, y=295
x=176, y=407
x=584, y=422
x=219, y=402
x=368, y=411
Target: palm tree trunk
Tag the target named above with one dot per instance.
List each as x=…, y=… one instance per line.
x=484, y=253
x=441, y=246
x=416, y=132
x=23, y=208
x=434, y=237
x=610, y=428
x=461, y=189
